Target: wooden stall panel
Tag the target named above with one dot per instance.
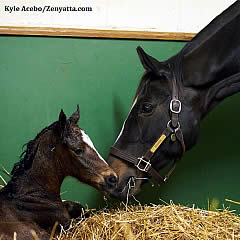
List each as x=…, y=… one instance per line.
x=137, y=19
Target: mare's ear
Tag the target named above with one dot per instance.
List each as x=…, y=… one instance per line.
x=62, y=122
x=75, y=116
x=151, y=64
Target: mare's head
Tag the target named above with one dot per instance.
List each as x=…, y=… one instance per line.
x=149, y=117
x=78, y=156
x=200, y=76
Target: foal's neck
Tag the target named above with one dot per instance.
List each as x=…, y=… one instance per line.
x=46, y=174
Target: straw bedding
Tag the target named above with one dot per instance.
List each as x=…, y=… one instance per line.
x=168, y=222
x=156, y=222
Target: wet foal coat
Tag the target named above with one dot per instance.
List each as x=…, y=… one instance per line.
x=31, y=199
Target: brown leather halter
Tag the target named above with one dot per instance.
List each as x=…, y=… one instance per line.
x=173, y=130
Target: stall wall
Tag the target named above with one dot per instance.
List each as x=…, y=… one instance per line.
x=39, y=76
x=141, y=15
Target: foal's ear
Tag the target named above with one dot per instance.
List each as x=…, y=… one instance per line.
x=75, y=116
x=62, y=121
x=151, y=64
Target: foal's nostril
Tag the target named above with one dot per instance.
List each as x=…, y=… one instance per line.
x=111, y=180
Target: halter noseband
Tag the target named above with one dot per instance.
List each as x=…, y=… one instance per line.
x=173, y=130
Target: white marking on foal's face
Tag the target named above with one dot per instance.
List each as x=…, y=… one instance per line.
x=135, y=100
x=89, y=142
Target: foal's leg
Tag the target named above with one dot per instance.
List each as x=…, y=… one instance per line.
x=75, y=209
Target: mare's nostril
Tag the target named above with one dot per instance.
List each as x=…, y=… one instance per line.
x=111, y=180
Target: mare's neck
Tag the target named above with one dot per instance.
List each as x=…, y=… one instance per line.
x=213, y=54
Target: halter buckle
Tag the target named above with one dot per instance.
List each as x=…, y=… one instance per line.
x=140, y=164
x=165, y=178
x=173, y=129
x=179, y=106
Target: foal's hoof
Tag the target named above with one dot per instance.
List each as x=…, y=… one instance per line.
x=75, y=209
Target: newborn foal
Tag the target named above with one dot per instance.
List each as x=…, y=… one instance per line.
x=31, y=199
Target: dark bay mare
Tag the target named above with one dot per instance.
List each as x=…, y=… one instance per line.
x=31, y=199
x=172, y=99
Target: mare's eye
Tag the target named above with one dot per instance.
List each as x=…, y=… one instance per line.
x=79, y=151
x=147, y=107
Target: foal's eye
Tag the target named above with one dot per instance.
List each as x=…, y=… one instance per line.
x=79, y=151
x=147, y=107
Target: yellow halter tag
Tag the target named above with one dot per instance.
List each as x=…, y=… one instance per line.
x=158, y=143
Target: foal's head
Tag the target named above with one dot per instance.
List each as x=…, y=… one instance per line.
x=78, y=156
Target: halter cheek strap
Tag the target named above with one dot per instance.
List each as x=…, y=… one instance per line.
x=173, y=130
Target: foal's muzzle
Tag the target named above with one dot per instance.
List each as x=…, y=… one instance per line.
x=109, y=182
